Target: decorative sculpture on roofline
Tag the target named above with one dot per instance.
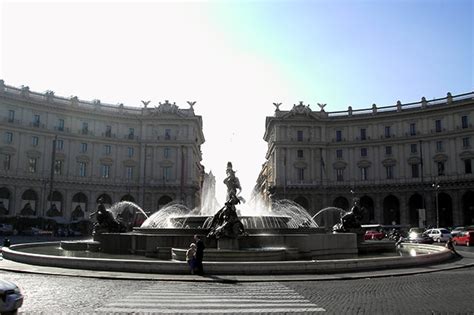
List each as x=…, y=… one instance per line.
x=191, y=104
x=226, y=223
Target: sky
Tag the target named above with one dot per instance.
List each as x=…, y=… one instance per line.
x=236, y=58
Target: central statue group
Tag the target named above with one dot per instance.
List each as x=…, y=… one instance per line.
x=226, y=222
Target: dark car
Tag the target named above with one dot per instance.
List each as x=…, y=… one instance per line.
x=11, y=298
x=418, y=238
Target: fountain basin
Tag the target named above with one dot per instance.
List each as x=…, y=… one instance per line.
x=424, y=255
x=308, y=243
x=257, y=254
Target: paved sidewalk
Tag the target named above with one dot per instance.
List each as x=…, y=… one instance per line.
x=8, y=265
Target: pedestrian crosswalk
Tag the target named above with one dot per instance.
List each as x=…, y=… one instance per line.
x=212, y=298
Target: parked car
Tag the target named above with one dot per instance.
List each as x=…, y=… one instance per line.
x=11, y=298
x=464, y=238
x=6, y=229
x=373, y=235
x=457, y=230
x=439, y=234
x=416, y=230
x=418, y=238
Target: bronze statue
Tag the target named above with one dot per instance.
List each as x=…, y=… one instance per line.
x=351, y=220
x=225, y=222
x=106, y=222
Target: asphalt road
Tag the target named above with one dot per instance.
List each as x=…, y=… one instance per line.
x=445, y=292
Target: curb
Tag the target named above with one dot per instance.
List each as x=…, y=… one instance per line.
x=8, y=265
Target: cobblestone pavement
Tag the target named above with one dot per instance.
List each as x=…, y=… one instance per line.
x=446, y=292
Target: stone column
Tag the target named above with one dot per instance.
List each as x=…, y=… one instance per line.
x=404, y=209
x=458, y=214
x=67, y=204
x=378, y=208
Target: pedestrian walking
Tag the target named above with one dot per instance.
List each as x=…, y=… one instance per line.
x=450, y=245
x=191, y=257
x=199, y=254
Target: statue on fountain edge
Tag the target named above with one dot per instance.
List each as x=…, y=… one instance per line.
x=225, y=222
x=106, y=222
x=350, y=222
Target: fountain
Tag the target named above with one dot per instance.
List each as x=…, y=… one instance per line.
x=280, y=239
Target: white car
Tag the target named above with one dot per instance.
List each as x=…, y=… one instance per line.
x=11, y=298
x=439, y=235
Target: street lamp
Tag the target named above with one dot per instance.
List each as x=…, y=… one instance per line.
x=436, y=188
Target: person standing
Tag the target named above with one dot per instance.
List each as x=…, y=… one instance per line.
x=191, y=257
x=199, y=254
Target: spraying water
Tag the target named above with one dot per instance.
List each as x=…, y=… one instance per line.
x=119, y=207
x=164, y=217
x=329, y=216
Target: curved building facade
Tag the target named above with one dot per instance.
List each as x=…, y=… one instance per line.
x=149, y=155
x=409, y=164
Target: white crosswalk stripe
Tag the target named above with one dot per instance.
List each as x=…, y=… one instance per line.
x=212, y=298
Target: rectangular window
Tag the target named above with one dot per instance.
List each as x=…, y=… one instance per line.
x=364, y=173
x=413, y=148
x=415, y=171
x=338, y=135
x=11, y=115
x=32, y=165
x=412, y=129
x=82, y=169
x=61, y=124
x=299, y=154
x=464, y=122
x=363, y=134
x=389, y=171
x=166, y=173
x=8, y=137
x=467, y=166
x=388, y=132
x=388, y=150
x=105, y=171
x=129, y=172
x=6, y=162
x=438, y=125
x=466, y=143
x=83, y=147
x=108, y=131
x=34, y=141
x=131, y=152
x=167, y=134
x=107, y=149
x=439, y=146
x=299, y=135
x=339, y=154
x=59, y=144
x=340, y=174
x=131, y=133
x=85, y=128
x=363, y=152
x=58, y=167
x=300, y=174
x=166, y=153
x=36, y=120
x=440, y=168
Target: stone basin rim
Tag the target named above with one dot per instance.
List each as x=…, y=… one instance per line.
x=438, y=254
